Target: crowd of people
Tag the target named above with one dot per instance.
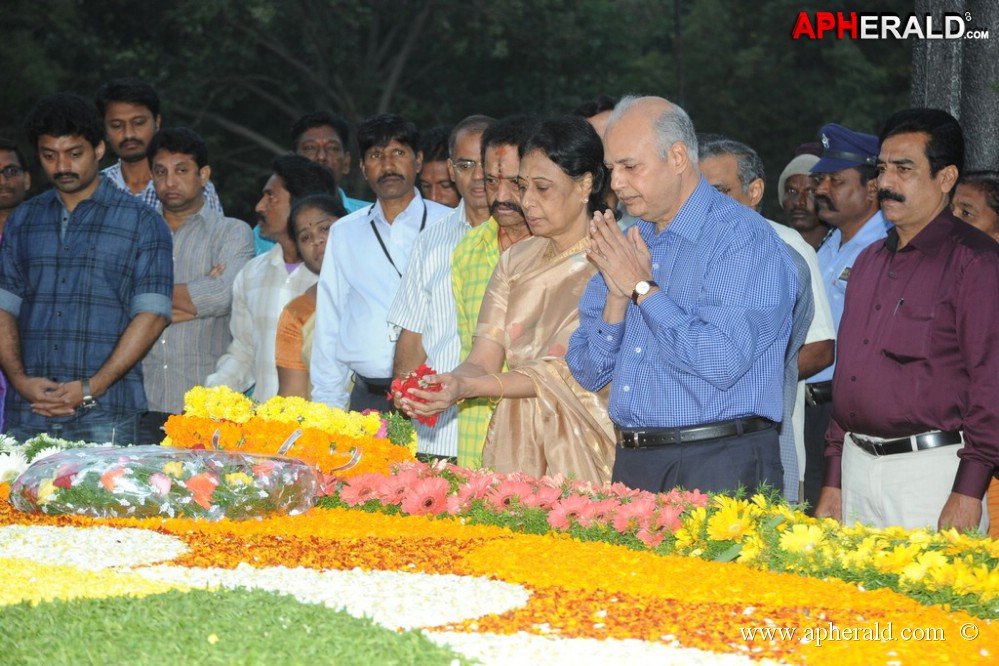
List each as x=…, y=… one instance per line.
x=596, y=293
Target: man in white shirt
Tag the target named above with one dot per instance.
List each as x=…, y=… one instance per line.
x=366, y=255
x=735, y=169
x=269, y=281
x=424, y=307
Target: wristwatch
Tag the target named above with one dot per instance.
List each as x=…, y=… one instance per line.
x=88, y=396
x=642, y=288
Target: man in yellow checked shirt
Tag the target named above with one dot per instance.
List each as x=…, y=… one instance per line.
x=476, y=256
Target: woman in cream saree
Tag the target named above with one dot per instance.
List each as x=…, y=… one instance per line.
x=545, y=422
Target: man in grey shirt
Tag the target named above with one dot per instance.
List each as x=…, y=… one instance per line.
x=209, y=250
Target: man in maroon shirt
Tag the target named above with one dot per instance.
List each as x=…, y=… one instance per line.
x=914, y=436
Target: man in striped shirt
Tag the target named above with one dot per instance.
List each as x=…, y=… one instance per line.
x=424, y=306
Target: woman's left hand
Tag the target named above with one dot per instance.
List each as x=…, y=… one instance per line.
x=451, y=391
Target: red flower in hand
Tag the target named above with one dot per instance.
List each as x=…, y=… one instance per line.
x=415, y=379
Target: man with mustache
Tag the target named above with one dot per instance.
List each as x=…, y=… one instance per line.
x=366, y=255
x=269, y=281
x=796, y=194
x=476, y=256
x=209, y=251
x=846, y=199
x=86, y=277
x=424, y=307
x=131, y=111
x=914, y=439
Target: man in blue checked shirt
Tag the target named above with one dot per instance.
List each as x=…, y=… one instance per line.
x=86, y=278
x=689, y=317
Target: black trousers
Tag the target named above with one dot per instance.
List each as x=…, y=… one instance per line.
x=715, y=465
x=816, y=423
x=371, y=394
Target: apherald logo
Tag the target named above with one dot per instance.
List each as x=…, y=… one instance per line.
x=865, y=25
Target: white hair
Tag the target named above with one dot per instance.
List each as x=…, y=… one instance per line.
x=671, y=126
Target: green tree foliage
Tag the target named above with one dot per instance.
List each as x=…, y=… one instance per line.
x=241, y=71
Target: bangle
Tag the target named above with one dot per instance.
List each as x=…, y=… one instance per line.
x=497, y=378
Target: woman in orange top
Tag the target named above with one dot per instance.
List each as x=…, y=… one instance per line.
x=309, y=224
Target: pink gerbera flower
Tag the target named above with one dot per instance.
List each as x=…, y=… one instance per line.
x=598, y=512
x=393, y=487
x=565, y=509
x=633, y=516
x=359, y=489
x=426, y=496
x=544, y=498
x=503, y=495
x=478, y=484
x=649, y=538
x=669, y=517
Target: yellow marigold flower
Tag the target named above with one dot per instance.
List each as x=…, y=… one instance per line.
x=218, y=403
x=802, y=538
x=238, y=479
x=174, y=469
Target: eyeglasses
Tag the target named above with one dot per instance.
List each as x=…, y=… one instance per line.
x=465, y=166
x=312, y=151
x=11, y=171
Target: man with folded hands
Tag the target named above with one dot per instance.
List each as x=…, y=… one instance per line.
x=914, y=435
x=690, y=315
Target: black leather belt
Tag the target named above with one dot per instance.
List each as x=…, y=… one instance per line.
x=818, y=393
x=887, y=447
x=373, y=386
x=652, y=437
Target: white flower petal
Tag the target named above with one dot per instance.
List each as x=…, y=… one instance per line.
x=91, y=548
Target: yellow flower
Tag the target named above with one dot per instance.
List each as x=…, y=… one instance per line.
x=174, y=469
x=731, y=523
x=219, y=403
x=46, y=491
x=802, y=538
x=926, y=562
x=895, y=560
x=752, y=546
x=238, y=479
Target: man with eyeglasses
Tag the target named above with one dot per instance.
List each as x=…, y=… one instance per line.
x=322, y=137
x=366, y=255
x=15, y=181
x=476, y=256
x=424, y=306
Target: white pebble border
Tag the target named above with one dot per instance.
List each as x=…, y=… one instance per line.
x=523, y=648
x=91, y=548
x=393, y=599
